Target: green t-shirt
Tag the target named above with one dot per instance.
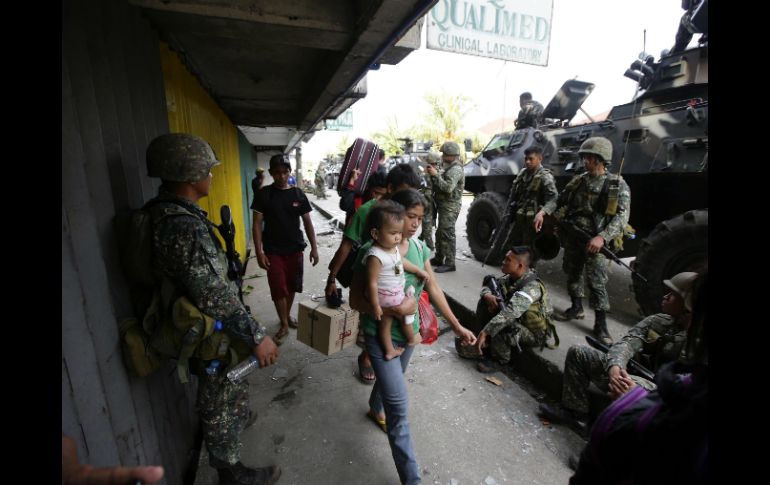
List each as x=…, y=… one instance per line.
x=356, y=230
x=418, y=253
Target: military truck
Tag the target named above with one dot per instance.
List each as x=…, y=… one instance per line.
x=660, y=147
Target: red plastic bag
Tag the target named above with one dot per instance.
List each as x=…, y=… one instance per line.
x=428, y=320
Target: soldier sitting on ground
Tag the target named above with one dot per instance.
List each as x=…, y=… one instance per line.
x=659, y=338
x=524, y=322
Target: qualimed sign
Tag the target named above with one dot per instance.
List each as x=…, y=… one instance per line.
x=512, y=30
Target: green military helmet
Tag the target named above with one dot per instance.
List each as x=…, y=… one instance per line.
x=597, y=145
x=681, y=284
x=450, y=148
x=180, y=157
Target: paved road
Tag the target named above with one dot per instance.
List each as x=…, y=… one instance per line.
x=312, y=412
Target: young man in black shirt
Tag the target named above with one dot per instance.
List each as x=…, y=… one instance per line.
x=280, y=248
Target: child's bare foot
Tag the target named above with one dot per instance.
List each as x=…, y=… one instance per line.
x=395, y=353
x=416, y=339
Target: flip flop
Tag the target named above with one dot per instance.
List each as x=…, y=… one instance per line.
x=293, y=322
x=279, y=336
x=365, y=373
x=379, y=422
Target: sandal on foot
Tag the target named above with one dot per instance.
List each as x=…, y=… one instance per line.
x=379, y=422
x=293, y=323
x=365, y=373
x=280, y=335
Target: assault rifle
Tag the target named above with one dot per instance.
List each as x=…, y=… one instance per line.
x=583, y=237
x=227, y=230
x=634, y=366
x=491, y=283
x=504, y=222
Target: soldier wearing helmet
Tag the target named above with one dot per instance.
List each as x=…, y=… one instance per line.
x=654, y=341
x=189, y=256
x=599, y=203
x=447, y=195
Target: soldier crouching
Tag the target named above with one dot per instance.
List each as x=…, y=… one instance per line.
x=518, y=316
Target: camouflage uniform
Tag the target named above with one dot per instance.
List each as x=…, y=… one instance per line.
x=583, y=204
x=190, y=255
x=531, y=115
x=320, y=183
x=524, y=318
x=187, y=253
x=447, y=194
x=658, y=338
x=429, y=218
x=531, y=192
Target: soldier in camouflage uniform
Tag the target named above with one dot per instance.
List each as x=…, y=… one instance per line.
x=429, y=220
x=187, y=253
x=524, y=322
x=656, y=340
x=599, y=203
x=447, y=194
x=531, y=113
x=534, y=195
x=320, y=182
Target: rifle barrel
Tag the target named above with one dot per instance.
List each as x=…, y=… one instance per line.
x=633, y=365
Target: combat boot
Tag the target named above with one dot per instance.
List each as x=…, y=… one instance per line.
x=600, y=328
x=559, y=414
x=445, y=268
x=575, y=312
x=466, y=351
x=436, y=262
x=240, y=474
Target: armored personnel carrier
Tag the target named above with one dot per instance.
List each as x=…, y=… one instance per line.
x=660, y=147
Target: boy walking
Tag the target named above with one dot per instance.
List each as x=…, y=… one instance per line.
x=280, y=248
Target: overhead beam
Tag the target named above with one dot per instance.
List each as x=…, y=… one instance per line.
x=384, y=23
x=257, y=34
x=328, y=15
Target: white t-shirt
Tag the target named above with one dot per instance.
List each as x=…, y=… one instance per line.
x=392, y=272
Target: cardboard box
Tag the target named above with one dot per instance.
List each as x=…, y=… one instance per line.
x=328, y=330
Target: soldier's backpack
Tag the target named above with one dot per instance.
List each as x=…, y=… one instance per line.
x=363, y=155
x=166, y=324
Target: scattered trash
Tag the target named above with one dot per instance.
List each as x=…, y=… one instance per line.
x=279, y=373
x=494, y=380
x=428, y=353
x=248, y=289
x=454, y=481
x=490, y=481
x=325, y=233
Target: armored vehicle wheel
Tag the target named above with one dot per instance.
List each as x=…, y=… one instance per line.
x=484, y=217
x=676, y=245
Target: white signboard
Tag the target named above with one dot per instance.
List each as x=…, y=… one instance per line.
x=344, y=122
x=512, y=30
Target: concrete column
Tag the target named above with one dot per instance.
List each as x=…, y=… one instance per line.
x=298, y=158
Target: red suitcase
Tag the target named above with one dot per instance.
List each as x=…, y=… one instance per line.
x=362, y=155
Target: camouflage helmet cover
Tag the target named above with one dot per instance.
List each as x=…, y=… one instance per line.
x=450, y=148
x=597, y=145
x=681, y=284
x=180, y=157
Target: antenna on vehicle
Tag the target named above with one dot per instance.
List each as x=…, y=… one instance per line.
x=642, y=56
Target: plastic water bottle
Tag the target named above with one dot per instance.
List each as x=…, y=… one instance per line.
x=213, y=368
x=240, y=371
